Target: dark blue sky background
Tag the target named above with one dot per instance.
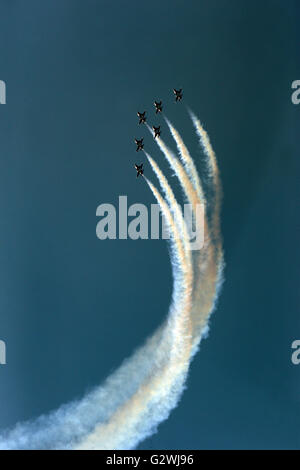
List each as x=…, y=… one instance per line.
x=72, y=306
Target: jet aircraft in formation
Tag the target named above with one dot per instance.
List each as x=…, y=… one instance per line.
x=156, y=131
x=142, y=119
x=139, y=169
x=158, y=106
x=178, y=94
x=139, y=144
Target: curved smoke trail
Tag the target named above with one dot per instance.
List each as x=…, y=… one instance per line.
x=177, y=167
x=187, y=161
x=170, y=197
x=159, y=392
x=214, y=175
x=132, y=402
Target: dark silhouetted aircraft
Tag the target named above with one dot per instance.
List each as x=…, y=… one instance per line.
x=158, y=106
x=139, y=169
x=178, y=94
x=156, y=131
x=142, y=117
x=139, y=144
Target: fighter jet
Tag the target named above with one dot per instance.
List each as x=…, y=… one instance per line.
x=139, y=144
x=142, y=117
x=156, y=131
x=178, y=94
x=158, y=107
x=139, y=169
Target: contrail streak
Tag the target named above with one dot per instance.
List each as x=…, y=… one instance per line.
x=141, y=393
x=173, y=205
x=159, y=393
x=209, y=269
x=187, y=161
x=214, y=174
x=206, y=145
x=179, y=171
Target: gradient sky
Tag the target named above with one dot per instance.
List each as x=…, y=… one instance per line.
x=73, y=307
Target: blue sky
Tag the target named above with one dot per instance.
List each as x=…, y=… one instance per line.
x=73, y=307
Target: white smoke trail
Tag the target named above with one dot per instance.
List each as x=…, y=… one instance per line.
x=58, y=427
x=206, y=146
x=173, y=205
x=179, y=171
x=210, y=263
x=214, y=175
x=142, y=392
x=187, y=161
x=159, y=393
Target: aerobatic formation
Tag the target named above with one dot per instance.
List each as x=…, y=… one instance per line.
x=141, y=393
